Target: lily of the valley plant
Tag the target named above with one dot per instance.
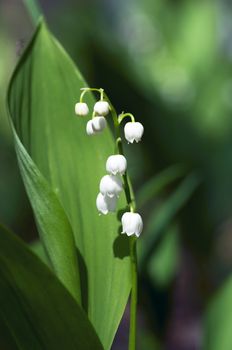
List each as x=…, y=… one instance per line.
x=113, y=183
x=116, y=165
x=95, y=264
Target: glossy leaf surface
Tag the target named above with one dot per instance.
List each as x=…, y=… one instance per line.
x=42, y=94
x=37, y=312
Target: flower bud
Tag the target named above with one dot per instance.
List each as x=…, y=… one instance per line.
x=116, y=164
x=106, y=204
x=101, y=108
x=89, y=128
x=98, y=123
x=81, y=109
x=110, y=185
x=132, y=224
x=133, y=131
x=95, y=125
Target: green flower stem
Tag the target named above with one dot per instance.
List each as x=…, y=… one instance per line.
x=116, y=123
x=134, y=294
x=131, y=203
x=87, y=89
x=124, y=115
x=34, y=10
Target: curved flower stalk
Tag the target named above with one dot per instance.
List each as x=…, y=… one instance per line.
x=111, y=185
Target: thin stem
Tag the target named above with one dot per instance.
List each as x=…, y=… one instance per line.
x=134, y=294
x=131, y=203
x=34, y=10
x=101, y=94
x=124, y=115
x=93, y=114
x=87, y=89
x=90, y=89
x=115, y=120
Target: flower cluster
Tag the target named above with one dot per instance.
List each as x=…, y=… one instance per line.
x=98, y=122
x=111, y=185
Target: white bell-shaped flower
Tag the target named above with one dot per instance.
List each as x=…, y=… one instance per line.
x=89, y=128
x=132, y=224
x=95, y=125
x=116, y=164
x=106, y=204
x=98, y=123
x=81, y=109
x=111, y=185
x=133, y=131
x=101, y=108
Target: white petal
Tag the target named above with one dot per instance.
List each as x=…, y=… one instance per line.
x=133, y=131
x=101, y=204
x=139, y=224
x=128, y=132
x=105, y=204
x=81, y=109
x=101, y=107
x=110, y=185
x=116, y=164
x=98, y=123
x=138, y=131
x=126, y=216
x=89, y=128
x=132, y=224
x=128, y=233
x=112, y=203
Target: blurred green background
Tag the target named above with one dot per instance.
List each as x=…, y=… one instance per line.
x=169, y=63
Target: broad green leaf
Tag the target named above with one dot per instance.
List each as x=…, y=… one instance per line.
x=53, y=223
x=162, y=265
x=33, y=9
x=161, y=218
x=218, y=319
x=37, y=312
x=38, y=248
x=158, y=183
x=42, y=94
